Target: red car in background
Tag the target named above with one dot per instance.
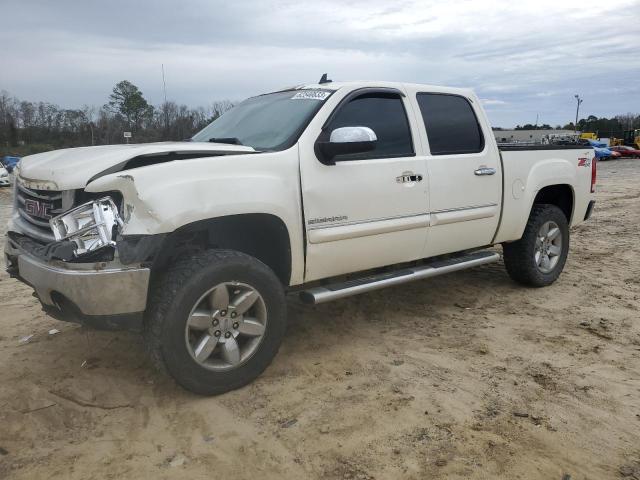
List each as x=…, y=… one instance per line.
x=626, y=152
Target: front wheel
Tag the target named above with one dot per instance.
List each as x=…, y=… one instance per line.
x=537, y=259
x=216, y=320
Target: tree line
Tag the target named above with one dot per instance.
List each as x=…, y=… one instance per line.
x=603, y=127
x=32, y=127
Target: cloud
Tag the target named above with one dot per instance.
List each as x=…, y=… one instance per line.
x=489, y=102
x=72, y=53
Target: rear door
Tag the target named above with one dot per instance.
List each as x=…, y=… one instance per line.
x=369, y=209
x=465, y=178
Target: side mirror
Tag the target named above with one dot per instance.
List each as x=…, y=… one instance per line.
x=345, y=141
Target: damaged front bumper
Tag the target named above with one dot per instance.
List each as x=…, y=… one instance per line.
x=106, y=295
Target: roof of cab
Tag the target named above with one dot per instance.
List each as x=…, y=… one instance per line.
x=411, y=87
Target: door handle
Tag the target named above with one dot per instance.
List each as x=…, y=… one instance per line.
x=485, y=171
x=409, y=177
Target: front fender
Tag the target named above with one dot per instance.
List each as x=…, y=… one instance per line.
x=164, y=197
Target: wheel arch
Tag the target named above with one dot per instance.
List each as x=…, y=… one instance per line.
x=561, y=195
x=558, y=194
x=261, y=235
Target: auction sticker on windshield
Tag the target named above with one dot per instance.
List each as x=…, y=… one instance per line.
x=311, y=95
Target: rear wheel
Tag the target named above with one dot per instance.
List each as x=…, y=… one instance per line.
x=216, y=321
x=537, y=259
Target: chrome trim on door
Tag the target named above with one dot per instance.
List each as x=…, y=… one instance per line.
x=409, y=177
x=484, y=171
x=463, y=214
x=344, y=231
x=471, y=207
x=358, y=222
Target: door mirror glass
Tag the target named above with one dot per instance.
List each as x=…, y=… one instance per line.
x=347, y=140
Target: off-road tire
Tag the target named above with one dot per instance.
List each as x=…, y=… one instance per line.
x=519, y=256
x=175, y=295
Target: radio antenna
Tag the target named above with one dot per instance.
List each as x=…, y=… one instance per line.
x=324, y=79
x=164, y=85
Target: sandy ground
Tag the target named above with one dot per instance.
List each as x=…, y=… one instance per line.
x=464, y=376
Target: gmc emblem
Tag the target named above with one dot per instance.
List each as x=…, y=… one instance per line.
x=37, y=209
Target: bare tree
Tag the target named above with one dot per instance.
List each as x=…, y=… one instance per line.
x=218, y=107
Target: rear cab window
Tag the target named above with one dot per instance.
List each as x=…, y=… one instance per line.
x=451, y=124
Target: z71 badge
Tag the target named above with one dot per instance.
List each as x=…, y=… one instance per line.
x=584, y=162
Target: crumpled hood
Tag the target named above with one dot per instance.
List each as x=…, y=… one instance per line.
x=72, y=168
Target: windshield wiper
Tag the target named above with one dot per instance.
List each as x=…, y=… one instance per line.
x=231, y=140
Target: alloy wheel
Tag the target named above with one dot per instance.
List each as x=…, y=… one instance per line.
x=226, y=325
x=548, y=247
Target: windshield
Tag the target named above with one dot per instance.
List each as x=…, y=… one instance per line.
x=268, y=122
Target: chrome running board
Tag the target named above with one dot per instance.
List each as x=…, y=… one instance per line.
x=327, y=293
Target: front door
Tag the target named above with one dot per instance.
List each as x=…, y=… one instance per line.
x=368, y=209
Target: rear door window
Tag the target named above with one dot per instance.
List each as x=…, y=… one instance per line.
x=451, y=124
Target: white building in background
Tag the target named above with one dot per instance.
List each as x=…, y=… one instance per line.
x=518, y=136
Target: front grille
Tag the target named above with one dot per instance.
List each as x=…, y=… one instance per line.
x=36, y=207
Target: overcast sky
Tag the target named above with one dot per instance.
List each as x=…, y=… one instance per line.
x=522, y=57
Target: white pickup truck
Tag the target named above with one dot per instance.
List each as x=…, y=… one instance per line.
x=328, y=190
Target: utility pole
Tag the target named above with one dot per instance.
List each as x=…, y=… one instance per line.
x=578, y=101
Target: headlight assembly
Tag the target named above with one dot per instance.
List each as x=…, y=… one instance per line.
x=90, y=226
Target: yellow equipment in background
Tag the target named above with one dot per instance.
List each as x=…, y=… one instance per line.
x=589, y=136
x=632, y=138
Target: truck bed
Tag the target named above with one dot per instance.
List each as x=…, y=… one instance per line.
x=515, y=147
x=526, y=170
